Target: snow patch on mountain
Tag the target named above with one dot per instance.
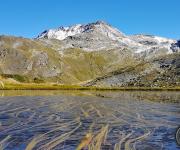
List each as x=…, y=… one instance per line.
x=150, y=42
x=102, y=36
x=63, y=32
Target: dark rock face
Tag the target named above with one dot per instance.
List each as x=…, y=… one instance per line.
x=176, y=46
x=178, y=43
x=148, y=42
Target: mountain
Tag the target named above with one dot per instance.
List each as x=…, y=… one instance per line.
x=100, y=35
x=94, y=54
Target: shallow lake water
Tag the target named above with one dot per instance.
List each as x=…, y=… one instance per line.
x=69, y=120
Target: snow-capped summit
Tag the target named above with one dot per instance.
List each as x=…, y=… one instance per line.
x=102, y=36
x=63, y=32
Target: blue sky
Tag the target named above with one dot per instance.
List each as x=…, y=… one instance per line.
x=28, y=18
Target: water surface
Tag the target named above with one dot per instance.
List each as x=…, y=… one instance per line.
x=45, y=120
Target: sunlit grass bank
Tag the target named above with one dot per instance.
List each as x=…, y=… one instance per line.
x=51, y=86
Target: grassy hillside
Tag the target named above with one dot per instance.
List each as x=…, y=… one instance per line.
x=35, y=61
x=160, y=72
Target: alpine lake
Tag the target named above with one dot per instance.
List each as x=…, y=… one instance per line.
x=89, y=120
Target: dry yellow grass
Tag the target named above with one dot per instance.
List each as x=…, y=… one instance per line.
x=127, y=144
x=1, y=84
x=85, y=141
x=53, y=86
x=99, y=139
x=53, y=143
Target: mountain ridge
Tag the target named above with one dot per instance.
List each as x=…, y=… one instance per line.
x=90, y=36
x=94, y=54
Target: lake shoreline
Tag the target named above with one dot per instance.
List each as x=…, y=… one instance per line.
x=45, y=86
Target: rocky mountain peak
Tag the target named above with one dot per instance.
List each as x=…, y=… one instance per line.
x=62, y=32
x=101, y=22
x=100, y=35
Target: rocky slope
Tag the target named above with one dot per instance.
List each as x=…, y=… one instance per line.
x=95, y=54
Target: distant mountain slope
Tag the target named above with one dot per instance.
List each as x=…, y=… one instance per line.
x=94, y=54
x=161, y=72
x=25, y=57
x=102, y=36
